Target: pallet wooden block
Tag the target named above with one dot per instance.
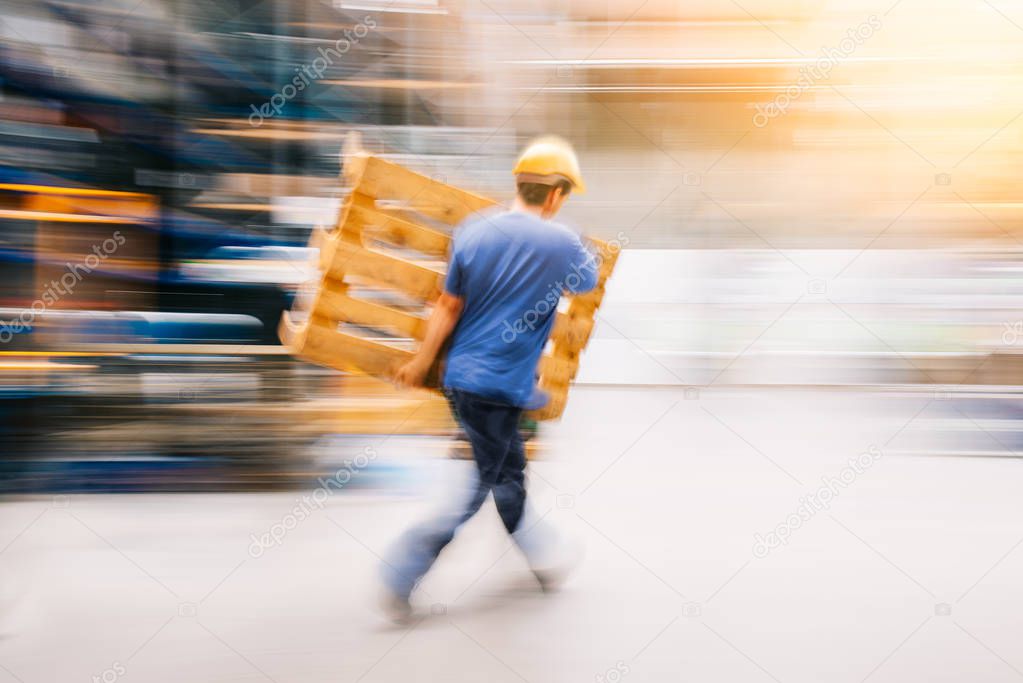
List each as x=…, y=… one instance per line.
x=382, y=265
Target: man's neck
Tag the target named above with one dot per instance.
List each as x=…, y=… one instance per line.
x=519, y=205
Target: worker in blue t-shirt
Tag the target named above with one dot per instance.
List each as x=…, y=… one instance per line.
x=507, y=273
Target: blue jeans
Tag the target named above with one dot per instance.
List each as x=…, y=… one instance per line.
x=493, y=430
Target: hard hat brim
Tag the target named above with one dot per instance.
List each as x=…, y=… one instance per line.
x=578, y=187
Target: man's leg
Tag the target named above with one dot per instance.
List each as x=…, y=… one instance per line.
x=490, y=427
x=418, y=548
x=510, y=488
x=536, y=538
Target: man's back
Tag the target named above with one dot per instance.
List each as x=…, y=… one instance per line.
x=510, y=269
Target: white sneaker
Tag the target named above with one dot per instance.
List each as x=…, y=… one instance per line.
x=397, y=608
x=553, y=577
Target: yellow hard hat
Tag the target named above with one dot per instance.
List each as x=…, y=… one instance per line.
x=548, y=158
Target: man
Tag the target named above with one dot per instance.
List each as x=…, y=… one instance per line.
x=506, y=275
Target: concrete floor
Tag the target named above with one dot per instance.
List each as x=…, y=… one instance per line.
x=912, y=574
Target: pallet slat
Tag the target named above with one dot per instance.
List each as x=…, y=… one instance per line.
x=400, y=232
x=571, y=332
x=556, y=372
x=324, y=342
x=554, y=408
x=386, y=180
x=411, y=278
x=336, y=304
x=387, y=204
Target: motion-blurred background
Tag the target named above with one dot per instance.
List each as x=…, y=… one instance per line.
x=816, y=199
x=809, y=193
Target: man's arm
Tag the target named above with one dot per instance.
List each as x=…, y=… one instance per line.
x=583, y=269
x=442, y=322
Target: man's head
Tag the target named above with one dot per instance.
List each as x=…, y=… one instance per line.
x=544, y=197
x=545, y=174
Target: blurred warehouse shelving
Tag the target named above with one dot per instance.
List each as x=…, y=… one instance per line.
x=866, y=234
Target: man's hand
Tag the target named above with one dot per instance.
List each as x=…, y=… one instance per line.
x=442, y=321
x=412, y=374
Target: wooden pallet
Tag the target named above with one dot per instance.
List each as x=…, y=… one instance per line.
x=383, y=264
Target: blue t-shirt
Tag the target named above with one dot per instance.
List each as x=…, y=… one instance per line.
x=510, y=268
